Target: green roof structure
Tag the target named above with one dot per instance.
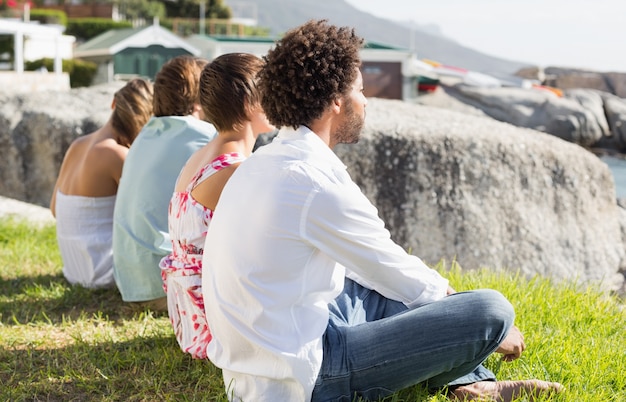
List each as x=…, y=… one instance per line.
x=130, y=52
x=116, y=40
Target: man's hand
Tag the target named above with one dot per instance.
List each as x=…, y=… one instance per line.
x=513, y=345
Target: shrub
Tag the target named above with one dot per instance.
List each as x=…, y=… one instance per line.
x=46, y=16
x=81, y=72
x=190, y=26
x=88, y=28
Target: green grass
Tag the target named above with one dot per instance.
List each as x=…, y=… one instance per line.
x=65, y=343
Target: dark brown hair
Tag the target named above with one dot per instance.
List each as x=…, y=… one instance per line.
x=309, y=67
x=228, y=89
x=176, y=86
x=133, y=109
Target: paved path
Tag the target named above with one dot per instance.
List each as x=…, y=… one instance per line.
x=24, y=210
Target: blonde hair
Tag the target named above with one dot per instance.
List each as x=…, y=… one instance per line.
x=133, y=109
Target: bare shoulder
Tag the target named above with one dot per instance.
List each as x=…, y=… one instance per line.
x=74, y=153
x=108, y=158
x=109, y=150
x=80, y=143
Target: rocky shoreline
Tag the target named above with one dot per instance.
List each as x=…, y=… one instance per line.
x=590, y=118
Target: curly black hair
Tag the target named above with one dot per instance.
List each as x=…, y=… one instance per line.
x=307, y=69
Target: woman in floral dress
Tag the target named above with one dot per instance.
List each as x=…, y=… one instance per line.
x=231, y=102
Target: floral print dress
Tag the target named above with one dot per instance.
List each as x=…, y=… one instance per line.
x=181, y=271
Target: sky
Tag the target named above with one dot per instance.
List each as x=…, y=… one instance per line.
x=587, y=34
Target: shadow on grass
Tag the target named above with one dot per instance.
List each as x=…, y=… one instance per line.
x=51, y=299
x=141, y=369
x=16, y=286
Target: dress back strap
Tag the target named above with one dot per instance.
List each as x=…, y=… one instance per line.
x=217, y=164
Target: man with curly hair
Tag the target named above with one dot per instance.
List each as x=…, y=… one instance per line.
x=289, y=322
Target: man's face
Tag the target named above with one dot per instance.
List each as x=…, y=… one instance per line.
x=352, y=114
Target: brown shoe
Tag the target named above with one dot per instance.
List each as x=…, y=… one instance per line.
x=504, y=391
x=157, y=305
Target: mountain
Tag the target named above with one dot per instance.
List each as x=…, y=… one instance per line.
x=281, y=15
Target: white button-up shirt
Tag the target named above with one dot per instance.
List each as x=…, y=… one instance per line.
x=288, y=221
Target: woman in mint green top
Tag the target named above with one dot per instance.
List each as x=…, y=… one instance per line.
x=140, y=230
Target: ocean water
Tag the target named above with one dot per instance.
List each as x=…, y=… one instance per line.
x=618, y=168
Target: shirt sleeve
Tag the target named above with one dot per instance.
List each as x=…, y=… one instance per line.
x=341, y=222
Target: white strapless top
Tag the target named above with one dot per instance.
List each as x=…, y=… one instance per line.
x=85, y=235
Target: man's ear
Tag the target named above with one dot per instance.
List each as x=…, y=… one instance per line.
x=337, y=105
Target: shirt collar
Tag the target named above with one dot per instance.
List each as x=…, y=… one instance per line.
x=313, y=143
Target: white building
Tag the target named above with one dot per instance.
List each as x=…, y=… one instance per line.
x=33, y=41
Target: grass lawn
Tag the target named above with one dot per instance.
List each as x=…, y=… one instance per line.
x=65, y=343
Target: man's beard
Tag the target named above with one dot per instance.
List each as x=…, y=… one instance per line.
x=349, y=131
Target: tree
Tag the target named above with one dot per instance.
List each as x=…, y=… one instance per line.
x=141, y=9
x=191, y=9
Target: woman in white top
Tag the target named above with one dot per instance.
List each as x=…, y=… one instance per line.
x=84, y=195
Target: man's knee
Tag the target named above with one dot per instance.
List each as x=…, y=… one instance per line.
x=492, y=306
x=498, y=307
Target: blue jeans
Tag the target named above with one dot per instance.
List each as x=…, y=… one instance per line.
x=374, y=346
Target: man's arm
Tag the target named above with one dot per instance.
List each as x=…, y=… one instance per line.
x=341, y=222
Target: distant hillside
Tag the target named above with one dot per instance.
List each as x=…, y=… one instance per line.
x=281, y=15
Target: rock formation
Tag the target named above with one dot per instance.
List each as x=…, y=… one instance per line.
x=449, y=184
x=588, y=117
x=37, y=129
x=571, y=78
x=488, y=194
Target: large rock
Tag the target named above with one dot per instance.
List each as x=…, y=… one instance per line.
x=571, y=78
x=615, y=112
x=35, y=132
x=449, y=185
x=488, y=194
x=564, y=117
x=19, y=210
